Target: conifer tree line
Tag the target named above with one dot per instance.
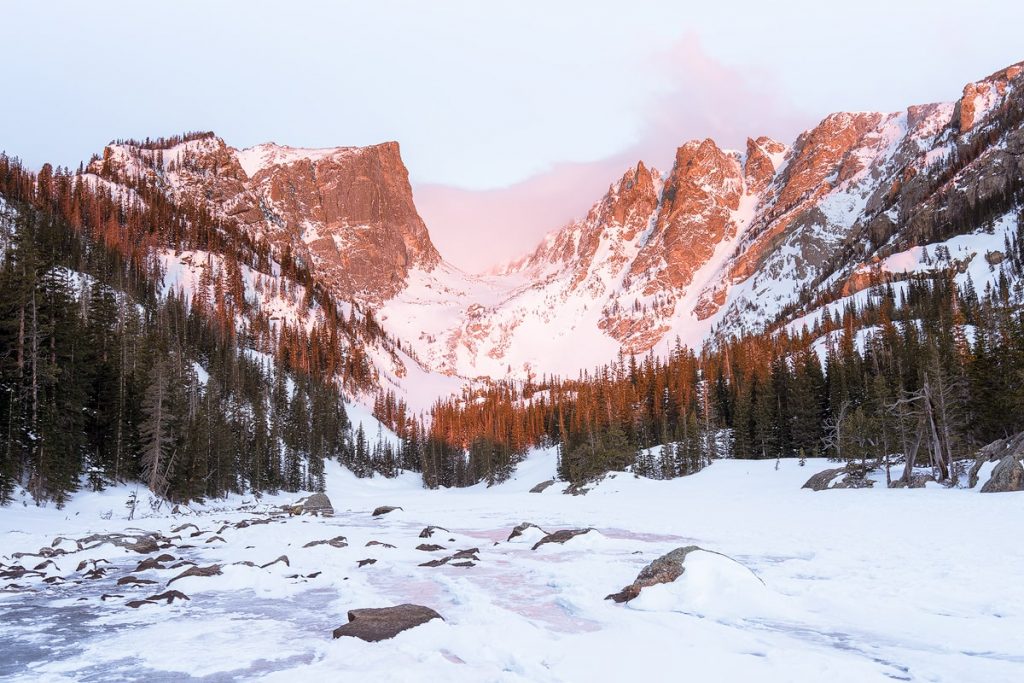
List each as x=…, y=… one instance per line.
x=922, y=372
x=104, y=379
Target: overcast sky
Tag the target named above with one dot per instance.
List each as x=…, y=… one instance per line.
x=512, y=117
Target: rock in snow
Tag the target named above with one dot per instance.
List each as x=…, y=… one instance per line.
x=539, y=488
x=560, y=536
x=384, y=509
x=1007, y=476
x=373, y=625
x=521, y=529
x=317, y=504
x=665, y=569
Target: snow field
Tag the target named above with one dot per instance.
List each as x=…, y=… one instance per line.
x=845, y=585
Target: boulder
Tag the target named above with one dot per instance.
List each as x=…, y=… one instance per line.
x=384, y=509
x=521, y=529
x=560, y=536
x=369, y=560
x=995, y=452
x=539, y=488
x=212, y=570
x=429, y=531
x=282, y=558
x=168, y=597
x=429, y=547
x=318, y=504
x=336, y=542
x=133, y=580
x=374, y=625
x=917, y=481
x=1007, y=476
x=854, y=477
x=821, y=480
x=665, y=569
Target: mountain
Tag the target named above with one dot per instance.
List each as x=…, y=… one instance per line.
x=724, y=242
x=347, y=211
x=729, y=241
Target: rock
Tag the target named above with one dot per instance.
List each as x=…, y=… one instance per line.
x=168, y=597
x=336, y=542
x=466, y=563
x=383, y=545
x=369, y=560
x=211, y=539
x=435, y=563
x=134, y=580
x=665, y=569
x=821, y=480
x=539, y=488
x=1007, y=476
x=147, y=564
x=521, y=528
x=854, y=477
x=995, y=452
x=429, y=531
x=84, y=563
x=560, y=536
x=373, y=625
x=429, y=547
x=282, y=558
x=917, y=481
x=317, y=505
x=142, y=544
x=179, y=529
x=212, y=570
x=384, y=509
x=135, y=604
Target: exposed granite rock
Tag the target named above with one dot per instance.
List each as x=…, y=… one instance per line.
x=376, y=624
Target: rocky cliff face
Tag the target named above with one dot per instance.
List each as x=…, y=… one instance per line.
x=732, y=240
x=725, y=241
x=348, y=211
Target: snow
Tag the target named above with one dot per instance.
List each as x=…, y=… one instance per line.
x=845, y=585
x=255, y=159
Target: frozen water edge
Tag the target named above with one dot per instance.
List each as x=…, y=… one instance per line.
x=863, y=585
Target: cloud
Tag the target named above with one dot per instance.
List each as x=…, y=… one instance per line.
x=476, y=229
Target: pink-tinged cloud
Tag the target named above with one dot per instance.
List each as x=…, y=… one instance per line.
x=476, y=229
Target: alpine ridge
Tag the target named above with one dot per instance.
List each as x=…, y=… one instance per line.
x=724, y=242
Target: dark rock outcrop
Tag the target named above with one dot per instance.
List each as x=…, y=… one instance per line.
x=317, y=505
x=560, y=536
x=854, y=477
x=1007, y=476
x=665, y=569
x=541, y=487
x=384, y=509
x=521, y=528
x=994, y=452
x=429, y=531
x=212, y=570
x=376, y=624
x=336, y=542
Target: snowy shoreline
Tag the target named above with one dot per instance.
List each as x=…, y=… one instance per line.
x=859, y=585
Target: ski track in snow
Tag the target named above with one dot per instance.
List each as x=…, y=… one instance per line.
x=858, y=585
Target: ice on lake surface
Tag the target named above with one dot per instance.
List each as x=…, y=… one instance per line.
x=858, y=585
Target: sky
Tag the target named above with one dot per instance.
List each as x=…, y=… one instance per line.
x=513, y=118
